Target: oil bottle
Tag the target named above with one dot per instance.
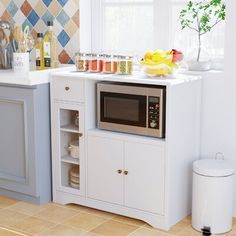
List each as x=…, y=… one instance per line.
x=50, y=48
x=39, y=52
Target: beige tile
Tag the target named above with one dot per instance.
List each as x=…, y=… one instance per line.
x=8, y=232
x=188, y=231
x=8, y=217
x=32, y=225
x=5, y=201
x=77, y=207
x=56, y=214
x=85, y=221
x=144, y=231
x=103, y=214
x=179, y=227
x=114, y=228
x=128, y=220
x=27, y=208
x=91, y=234
x=62, y=230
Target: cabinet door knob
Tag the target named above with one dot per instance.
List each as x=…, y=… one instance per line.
x=67, y=88
x=119, y=171
x=80, y=134
x=126, y=172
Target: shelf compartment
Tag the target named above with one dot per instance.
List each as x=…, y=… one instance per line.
x=69, y=159
x=65, y=176
x=69, y=120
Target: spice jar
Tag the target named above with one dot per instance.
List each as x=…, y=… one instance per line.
x=125, y=65
x=108, y=65
x=95, y=63
x=115, y=62
x=81, y=62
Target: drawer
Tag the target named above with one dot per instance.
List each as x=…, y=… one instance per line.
x=68, y=89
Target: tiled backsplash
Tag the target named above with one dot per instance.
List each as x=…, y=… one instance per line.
x=36, y=13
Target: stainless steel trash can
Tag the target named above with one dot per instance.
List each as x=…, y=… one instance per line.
x=212, y=200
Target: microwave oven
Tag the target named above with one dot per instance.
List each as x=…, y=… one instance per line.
x=131, y=108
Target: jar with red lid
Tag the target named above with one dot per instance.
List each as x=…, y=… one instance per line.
x=81, y=62
x=95, y=63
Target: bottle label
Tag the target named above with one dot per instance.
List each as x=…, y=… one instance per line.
x=47, y=54
x=38, y=57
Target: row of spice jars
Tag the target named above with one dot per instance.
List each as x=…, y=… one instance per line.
x=102, y=63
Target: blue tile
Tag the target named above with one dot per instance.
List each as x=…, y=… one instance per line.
x=63, y=18
x=47, y=16
x=47, y=2
x=12, y=8
x=33, y=17
x=71, y=61
x=63, y=2
x=63, y=38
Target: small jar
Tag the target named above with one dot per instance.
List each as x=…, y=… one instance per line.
x=115, y=62
x=81, y=62
x=125, y=65
x=95, y=63
x=108, y=65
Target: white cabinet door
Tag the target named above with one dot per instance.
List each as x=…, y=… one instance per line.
x=105, y=169
x=144, y=182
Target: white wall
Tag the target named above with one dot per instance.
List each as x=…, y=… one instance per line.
x=219, y=101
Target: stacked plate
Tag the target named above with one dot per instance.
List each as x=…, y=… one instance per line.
x=74, y=177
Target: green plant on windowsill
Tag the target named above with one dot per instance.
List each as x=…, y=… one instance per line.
x=202, y=16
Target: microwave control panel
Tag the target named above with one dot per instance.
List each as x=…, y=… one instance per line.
x=153, y=112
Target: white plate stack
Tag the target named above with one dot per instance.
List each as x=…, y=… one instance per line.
x=74, y=177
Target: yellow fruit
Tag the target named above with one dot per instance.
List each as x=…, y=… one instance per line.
x=148, y=55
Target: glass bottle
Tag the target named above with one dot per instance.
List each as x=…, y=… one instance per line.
x=39, y=52
x=50, y=47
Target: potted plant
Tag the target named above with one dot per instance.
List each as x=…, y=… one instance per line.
x=201, y=16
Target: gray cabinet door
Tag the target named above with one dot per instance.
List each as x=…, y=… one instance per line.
x=17, y=141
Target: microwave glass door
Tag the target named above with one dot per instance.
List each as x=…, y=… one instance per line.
x=126, y=109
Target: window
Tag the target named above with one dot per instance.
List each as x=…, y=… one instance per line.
x=134, y=26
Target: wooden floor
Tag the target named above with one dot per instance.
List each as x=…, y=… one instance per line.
x=19, y=218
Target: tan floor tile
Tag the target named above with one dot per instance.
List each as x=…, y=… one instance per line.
x=103, y=214
x=77, y=207
x=179, y=227
x=8, y=218
x=189, y=231
x=129, y=220
x=85, y=221
x=56, y=214
x=114, y=228
x=62, y=230
x=32, y=225
x=8, y=232
x=143, y=231
x=91, y=234
x=27, y=208
x=5, y=201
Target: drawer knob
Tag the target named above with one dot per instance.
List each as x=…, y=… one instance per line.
x=67, y=88
x=126, y=172
x=119, y=171
x=80, y=134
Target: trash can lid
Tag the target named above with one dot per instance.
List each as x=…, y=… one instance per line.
x=213, y=167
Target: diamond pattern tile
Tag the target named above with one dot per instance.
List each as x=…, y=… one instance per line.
x=33, y=17
x=36, y=13
x=47, y=2
x=63, y=38
x=12, y=8
x=63, y=18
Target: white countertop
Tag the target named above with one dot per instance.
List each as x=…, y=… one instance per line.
x=32, y=78
x=136, y=77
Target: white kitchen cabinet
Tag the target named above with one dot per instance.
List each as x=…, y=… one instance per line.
x=126, y=172
x=137, y=176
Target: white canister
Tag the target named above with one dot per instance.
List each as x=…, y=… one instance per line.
x=21, y=63
x=74, y=148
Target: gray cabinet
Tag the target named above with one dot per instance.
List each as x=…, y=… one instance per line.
x=25, y=159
